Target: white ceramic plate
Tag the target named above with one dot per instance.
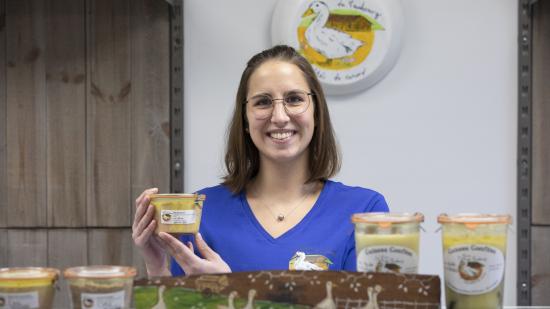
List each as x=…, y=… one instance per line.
x=352, y=44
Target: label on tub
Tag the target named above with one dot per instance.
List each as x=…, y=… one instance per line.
x=102, y=301
x=177, y=216
x=473, y=269
x=395, y=259
x=19, y=300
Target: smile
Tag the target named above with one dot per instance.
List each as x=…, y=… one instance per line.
x=281, y=135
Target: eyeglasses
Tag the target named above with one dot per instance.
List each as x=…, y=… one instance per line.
x=295, y=103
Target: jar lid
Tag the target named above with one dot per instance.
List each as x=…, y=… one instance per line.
x=99, y=272
x=387, y=218
x=195, y=196
x=28, y=273
x=475, y=218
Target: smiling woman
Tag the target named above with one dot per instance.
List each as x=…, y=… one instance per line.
x=276, y=200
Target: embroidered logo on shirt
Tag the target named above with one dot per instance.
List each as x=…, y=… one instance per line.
x=302, y=261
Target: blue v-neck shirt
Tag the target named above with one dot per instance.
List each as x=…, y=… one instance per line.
x=230, y=228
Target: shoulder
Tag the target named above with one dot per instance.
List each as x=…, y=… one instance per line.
x=218, y=194
x=367, y=200
x=215, y=190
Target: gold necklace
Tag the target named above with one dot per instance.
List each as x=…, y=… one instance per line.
x=281, y=217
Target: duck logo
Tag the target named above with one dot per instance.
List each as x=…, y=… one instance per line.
x=301, y=261
x=336, y=39
x=351, y=44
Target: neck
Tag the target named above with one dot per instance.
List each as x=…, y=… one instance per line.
x=320, y=20
x=283, y=181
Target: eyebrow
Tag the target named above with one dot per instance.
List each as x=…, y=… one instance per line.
x=261, y=94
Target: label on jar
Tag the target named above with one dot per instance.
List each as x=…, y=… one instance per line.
x=473, y=269
x=19, y=300
x=395, y=259
x=102, y=301
x=177, y=216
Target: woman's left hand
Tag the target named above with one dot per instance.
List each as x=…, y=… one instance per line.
x=189, y=261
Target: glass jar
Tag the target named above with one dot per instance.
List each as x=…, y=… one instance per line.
x=178, y=213
x=100, y=286
x=387, y=242
x=27, y=287
x=474, y=251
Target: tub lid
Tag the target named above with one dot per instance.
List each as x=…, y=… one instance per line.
x=198, y=197
x=475, y=218
x=99, y=272
x=31, y=273
x=387, y=217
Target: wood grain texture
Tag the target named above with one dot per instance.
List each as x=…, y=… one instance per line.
x=3, y=174
x=540, y=268
x=150, y=164
x=66, y=113
x=110, y=247
x=108, y=114
x=26, y=113
x=66, y=248
x=541, y=113
x=27, y=247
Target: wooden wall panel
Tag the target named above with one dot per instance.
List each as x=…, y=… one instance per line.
x=540, y=267
x=27, y=247
x=108, y=116
x=26, y=113
x=110, y=247
x=66, y=248
x=150, y=164
x=3, y=248
x=541, y=113
x=66, y=128
x=3, y=175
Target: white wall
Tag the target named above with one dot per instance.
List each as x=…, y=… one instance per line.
x=437, y=135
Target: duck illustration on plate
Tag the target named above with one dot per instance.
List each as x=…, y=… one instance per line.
x=338, y=38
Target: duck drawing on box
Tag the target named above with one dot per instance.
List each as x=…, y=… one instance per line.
x=336, y=39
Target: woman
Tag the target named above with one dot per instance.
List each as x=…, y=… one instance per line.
x=277, y=208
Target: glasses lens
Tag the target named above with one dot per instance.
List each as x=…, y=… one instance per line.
x=296, y=102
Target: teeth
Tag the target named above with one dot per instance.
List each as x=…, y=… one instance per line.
x=279, y=135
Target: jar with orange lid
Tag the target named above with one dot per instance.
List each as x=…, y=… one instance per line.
x=387, y=242
x=100, y=286
x=474, y=251
x=177, y=213
x=27, y=287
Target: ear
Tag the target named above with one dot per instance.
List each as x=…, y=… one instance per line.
x=246, y=130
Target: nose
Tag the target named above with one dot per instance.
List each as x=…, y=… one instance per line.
x=279, y=114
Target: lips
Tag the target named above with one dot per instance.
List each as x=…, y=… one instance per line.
x=281, y=135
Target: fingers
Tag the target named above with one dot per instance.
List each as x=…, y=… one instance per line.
x=144, y=221
x=204, y=249
x=141, y=204
x=177, y=249
x=140, y=238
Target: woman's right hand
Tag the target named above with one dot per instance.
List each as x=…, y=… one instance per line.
x=143, y=228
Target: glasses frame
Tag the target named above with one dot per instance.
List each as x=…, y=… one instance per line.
x=308, y=94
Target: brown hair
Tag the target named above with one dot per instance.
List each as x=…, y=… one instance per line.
x=242, y=159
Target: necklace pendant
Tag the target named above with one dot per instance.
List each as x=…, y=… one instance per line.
x=280, y=218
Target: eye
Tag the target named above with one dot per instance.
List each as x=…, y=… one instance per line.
x=294, y=99
x=262, y=101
